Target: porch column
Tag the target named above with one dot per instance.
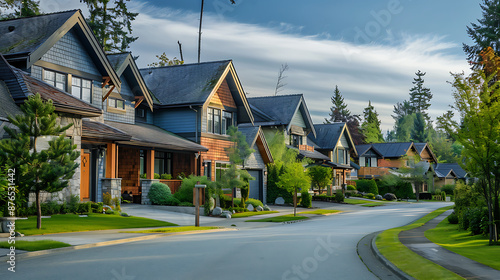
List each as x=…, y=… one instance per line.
x=111, y=162
x=150, y=164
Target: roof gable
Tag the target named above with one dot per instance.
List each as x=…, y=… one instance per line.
x=329, y=135
x=422, y=147
x=43, y=32
x=255, y=137
x=393, y=150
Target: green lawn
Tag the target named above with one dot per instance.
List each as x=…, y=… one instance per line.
x=461, y=242
x=172, y=229
x=72, y=223
x=357, y=201
x=411, y=263
x=34, y=245
x=321, y=212
x=373, y=204
x=250, y=214
x=280, y=219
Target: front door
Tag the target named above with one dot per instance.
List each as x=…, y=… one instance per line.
x=85, y=176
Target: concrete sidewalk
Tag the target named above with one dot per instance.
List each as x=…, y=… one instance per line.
x=416, y=241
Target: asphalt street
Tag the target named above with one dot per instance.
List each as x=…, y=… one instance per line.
x=322, y=248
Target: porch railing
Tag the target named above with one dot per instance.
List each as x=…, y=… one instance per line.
x=365, y=172
x=174, y=185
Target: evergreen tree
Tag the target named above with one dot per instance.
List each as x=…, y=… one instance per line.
x=20, y=8
x=485, y=32
x=419, y=132
x=420, y=96
x=371, y=125
x=111, y=24
x=47, y=170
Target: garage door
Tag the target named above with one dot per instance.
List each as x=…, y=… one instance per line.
x=255, y=185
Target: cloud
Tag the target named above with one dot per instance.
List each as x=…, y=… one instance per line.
x=382, y=73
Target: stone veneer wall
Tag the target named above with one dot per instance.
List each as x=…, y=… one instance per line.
x=145, y=186
x=112, y=186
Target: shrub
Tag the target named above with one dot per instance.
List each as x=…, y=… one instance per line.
x=109, y=211
x=390, y=197
x=84, y=208
x=339, y=197
x=448, y=189
x=351, y=188
x=453, y=218
x=372, y=187
x=97, y=207
x=159, y=194
x=50, y=208
x=369, y=195
x=186, y=204
x=443, y=196
x=363, y=185
x=306, y=199
x=166, y=176
x=143, y=176
x=116, y=202
x=225, y=201
x=254, y=202
x=74, y=200
x=185, y=193
x=106, y=199
x=237, y=209
x=478, y=220
x=404, y=190
x=156, y=176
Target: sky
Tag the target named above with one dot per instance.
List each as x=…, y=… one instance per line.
x=370, y=49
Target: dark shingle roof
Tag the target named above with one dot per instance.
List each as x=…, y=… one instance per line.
x=152, y=136
x=187, y=84
x=250, y=133
x=7, y=105
x=21, y=85
x=25, y=35
x=392, y=150
x=94, y=129
x=279, y=108
x=327, y=135
x=311, y=154
x=445, y=168
x=420, y=147
x=117, y=59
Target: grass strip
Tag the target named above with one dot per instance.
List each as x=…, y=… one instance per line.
x=34, y=245
x=280, y=219
x=411, y=263
x=73, y=223
x=172, y=229
x=474, y=247
x=356, y=201
x=373, y=204
x=250, y=214
x=321, y=212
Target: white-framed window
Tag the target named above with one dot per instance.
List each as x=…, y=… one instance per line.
x=55, y=79
x=81, y=88
x=227, y=121
x=218, y=121
x=116, y=103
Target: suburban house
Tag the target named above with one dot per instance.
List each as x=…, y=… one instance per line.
x=58, y=56
x=448, y=174
x=334, y=140
x=200, y=102
x=377, y=159
x=287, y=114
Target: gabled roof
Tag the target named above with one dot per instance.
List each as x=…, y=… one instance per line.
x=364, y=148
x=255, y=136
x=421, y=147
x=329, y=135
x=149, y=135
x=26, y=40
x=393, y=150
x=21, y=85
x=310, y=154
x=99, y=130
x=445, y=168
x=124, y=64
x=280, y=110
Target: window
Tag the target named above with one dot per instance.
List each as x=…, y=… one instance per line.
x=142, y=161
x=341, y=154
x=163, y=163
x=208, y=170
x=55, y=79
x=116, y=103
x=296, y=140
x=368, y=162
x=82, y=89
x=218, y=121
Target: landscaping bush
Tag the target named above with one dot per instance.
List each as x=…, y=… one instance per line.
x=273, y=191
x=156, y=176
x=390, y=197
x=254, y=202
x=477, y=220
x=237, y=209
x=166, y=176
x=404, y=190
x=143, y=176
x=185, y=193
x=369, y=196
x=106, y=199
x=84, y=208
x=339, y=197
x=372, y=187
x=363, y=185
x=50, y=208
x=448, y=189
x=96, y=207
x=74, y=200
x=306, y=199
x=225, y=201
x=160, y=194
x=443, y=196
x=351, y=188
x=453, y=218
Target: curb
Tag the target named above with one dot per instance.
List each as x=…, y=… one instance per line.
x=109, y=243
x=385, y=261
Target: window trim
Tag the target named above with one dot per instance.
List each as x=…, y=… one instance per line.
x=81, y=88
x=114, y=109
x=222, y=120
x=66, y=83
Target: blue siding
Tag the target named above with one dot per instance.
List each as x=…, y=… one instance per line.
x=176, y=121
x=149, y=116
x=298, y=119
x=129, y=115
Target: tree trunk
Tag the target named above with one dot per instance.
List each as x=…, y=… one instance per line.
x=38, y=210
x=295, y=202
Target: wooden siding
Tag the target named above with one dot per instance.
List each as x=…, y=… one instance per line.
x=129, y=169
x=397, y=163
x=425, y=155
x=223, y=96
x=176, y=121
x=216, y=149
x=182, y=163
x=297, y=119
x=372, y=171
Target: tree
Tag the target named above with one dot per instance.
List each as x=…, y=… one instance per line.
x=281, y=77
x=419, y=131
x=292, y=179
x=111, y=24
x=164, y=61
x=340, y=113
x=403, y=128
x=416, y=174
x=477, y=103
x=484, y=33
x=20, y=8
x=371, y=125
x=420, y=96
x=46, y=170
x=321, y=177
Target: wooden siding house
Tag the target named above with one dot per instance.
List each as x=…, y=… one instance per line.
x=335, y=141
x=200, y=102
x=448, y=174
x=58, y=54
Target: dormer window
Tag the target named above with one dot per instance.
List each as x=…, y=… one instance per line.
x=55, y=79
x=218, y=121
x=116, y=103
x=82, y=89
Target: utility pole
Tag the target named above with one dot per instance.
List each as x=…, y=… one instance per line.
x=199, y=32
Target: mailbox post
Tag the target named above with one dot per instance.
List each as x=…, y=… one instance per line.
x=197, y=190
